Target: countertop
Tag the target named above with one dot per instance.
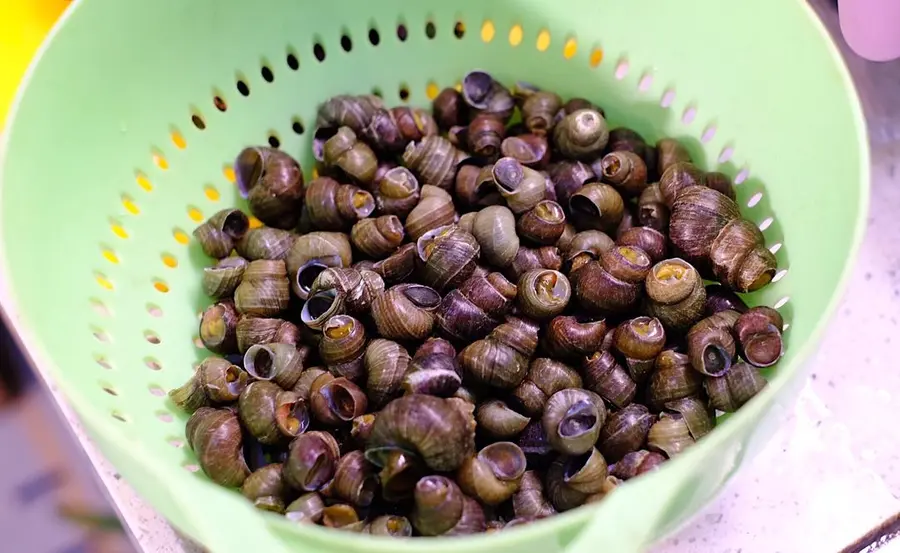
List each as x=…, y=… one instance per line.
x=832, y=472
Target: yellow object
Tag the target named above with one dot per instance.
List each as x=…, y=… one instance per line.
x=23, y=25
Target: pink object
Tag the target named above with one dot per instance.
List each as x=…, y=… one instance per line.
x=871, y=27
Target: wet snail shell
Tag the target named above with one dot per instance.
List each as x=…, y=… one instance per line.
x=530, y=501
x=435, y=209
x=474, y=186
x=220, y=280
x=735, y=388
x=636, y=463
x=485, y=134
x=448, y=108
x=484, y=95
x=397, y=266
x=378, y=237
x=545, y=378
x=441, y=509
x=215, y=437
x=386, y=364
x=216, y=380
x=336, y=401
x=255, y=330
x=669, y=435
x=342, y=346
x=710, y=343
x=448, y=256
x=673, y=379
x=306, y=509
x=354, y=289
x=354, y=157
x=571, y=479
x=266, y=488
x=626, y=171
x=652, y=209
x=271, y=414
x=334, y=206
x=581, y=135
x=218, y=327
x=543, y=293
x=653, y=242
x=543, y=224
x=677, y=178
x=539, y=111
x=522, y=187
x=606, y=377
x=471, y=311
x=494, y=228
x=281, y=363
x=720, y=298
x=498, y=420
x=501, y=359
x=264, y=290
x=698, y=416
x=435, y=429
x=265, y=243
x=312, y=460
x=625, y=431
x=406, y=312
x=759, y=333
x=596, y=206
x=675, y=294
x=571, y=337
x=569, y=177
x=325, y=249
x=434, y=160
x=397, y=193
x=355, y=479
x=219, y=233
x=390, y=130
x=272, y=183
x=493, y=475
x=526, y=259
x=346, y=110
x=670, y=152
x=572, y=420
x=433, y=371
x=531, y=150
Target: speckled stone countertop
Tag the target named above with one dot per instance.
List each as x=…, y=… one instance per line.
x=832, y=472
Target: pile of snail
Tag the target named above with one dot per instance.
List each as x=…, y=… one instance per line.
x=473, y=317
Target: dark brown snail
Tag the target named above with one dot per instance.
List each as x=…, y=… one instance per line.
x=406, y=312
x=335, y=206
x=215, y=437
x=612, y=284
x=272, y=183
x=501, y=359
x=448, y=256
x=351, y=155
x=397, y=193
x=471, y=311
x=390, y=130
x=435, y=209
x=433, y=160
x=545, y=377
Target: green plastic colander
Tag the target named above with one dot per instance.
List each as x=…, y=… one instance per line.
x=122, y=137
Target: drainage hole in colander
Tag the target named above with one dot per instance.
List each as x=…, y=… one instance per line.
x=274, y=141
x=781, y=303
x=515, y=35
x=169, y=260
x=267, y=74
x=726, y=154
x=104, y=282
x=110, y=256
x=645, y=83
x=191, y=468
x=766, y=223
x=164, y=416
x=459, y=29
x=151, y=337
x=292, y=61
x=228, y=171
x=198, y=121
x=401, y=32
x=109, y=390
x=178, y=140
x=181, y=237
x=779, y=275
x=152, y=364
x=177, y=443
x=775, y=247
x=430, y=30
x=161, y=286
x=404, y=93
x=100, y=308
x=100, y=335
x=297, y=126
x=156, y=390
x=708, y=134
x=144, y=182
x=118, y=416
x=319, y=51
x=689, y=115
x=346, y=42
x=211, y=193
x=243, y=88
x=543, y=40
x=570, y=48
x=103, y=362
x=220, y=104
x=596, y=57
x=195, y=214
x=667, y=98
x=755, y=199
x=160, y=161
x=742, y=176
x=154, y=310
x=129, y=205
x=377, y=92
x=622, y=69
x=374, y=37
